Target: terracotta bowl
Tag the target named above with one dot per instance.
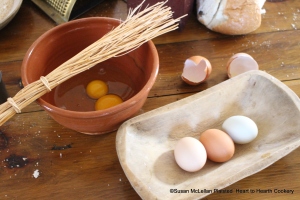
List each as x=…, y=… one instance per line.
x=130, y=76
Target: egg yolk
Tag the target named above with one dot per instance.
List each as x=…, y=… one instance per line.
x=107, y=101
x=96, y=89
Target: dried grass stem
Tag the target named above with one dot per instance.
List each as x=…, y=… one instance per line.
x=138, y=28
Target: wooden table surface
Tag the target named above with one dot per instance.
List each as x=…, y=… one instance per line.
x=76, y=166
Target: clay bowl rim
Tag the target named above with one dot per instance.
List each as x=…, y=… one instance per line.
x=91, y=114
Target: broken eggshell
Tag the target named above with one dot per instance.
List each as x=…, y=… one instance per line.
x=196, y=70
x=240, y=63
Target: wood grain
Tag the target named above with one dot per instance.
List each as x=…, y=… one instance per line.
x=78, y=166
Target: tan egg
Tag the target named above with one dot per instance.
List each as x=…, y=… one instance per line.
x=196, y=70
x=190, y=154
x=219, y=146
x=240, y=63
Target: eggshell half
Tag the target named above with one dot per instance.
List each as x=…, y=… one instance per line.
x=196, y=70
x=240, y=63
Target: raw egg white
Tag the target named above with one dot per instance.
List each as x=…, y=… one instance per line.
x=240, y=63
x=219, y=146
x=196, y=70
x=190, y=154
x=241, y=129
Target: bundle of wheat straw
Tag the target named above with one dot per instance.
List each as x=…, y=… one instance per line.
x=138, y=28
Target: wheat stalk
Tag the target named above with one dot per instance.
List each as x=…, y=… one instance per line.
x=138, y=28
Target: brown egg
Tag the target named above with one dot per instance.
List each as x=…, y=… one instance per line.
x=196, y=70
x=219, y=146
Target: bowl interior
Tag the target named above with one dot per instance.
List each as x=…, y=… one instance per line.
x=126, y=75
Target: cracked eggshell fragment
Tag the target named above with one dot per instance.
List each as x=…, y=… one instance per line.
x=196, y=70
x=240, y=63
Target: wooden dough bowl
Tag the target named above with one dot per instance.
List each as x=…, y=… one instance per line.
x=145, y=143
